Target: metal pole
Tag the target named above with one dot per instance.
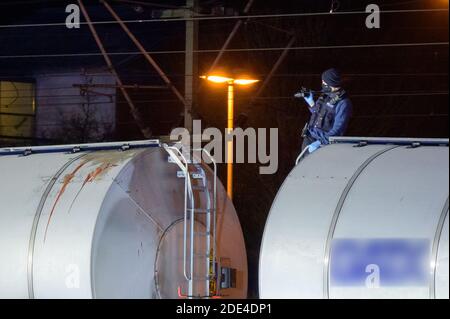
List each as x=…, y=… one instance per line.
x=230, y=144
x=145, y=53
x=276, y=67
x=230, y=37
x=134, y=111
x=191, y=64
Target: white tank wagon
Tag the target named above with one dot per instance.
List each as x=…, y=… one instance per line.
x=115, y=221
x=361, y=218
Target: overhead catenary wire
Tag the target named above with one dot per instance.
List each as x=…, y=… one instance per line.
x=131, y=123
x=262, y=99
x=113, y=94
x=281, y=75
x=237, y=17
x=273, y=49
x=15, y=78
x=357, y=117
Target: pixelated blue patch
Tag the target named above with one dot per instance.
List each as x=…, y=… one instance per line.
x=376, y=263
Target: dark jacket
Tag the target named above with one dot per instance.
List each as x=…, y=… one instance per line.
x=330, y=117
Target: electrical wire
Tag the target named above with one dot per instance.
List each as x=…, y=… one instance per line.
x=78, y=96
x=179, y=75
x=56, y=88
x=132, y=123
x=358, y=46
x=243, y=17
x=218, y=99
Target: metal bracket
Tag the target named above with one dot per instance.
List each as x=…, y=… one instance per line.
x=361, y=144
x=76, y=149
x=125, y=147
x=27, y=152
x=415, y=145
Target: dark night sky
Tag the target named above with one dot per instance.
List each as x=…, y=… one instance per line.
x=397, y=92
x=378, y=71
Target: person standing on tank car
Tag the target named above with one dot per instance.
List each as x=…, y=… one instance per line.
x=330, y=114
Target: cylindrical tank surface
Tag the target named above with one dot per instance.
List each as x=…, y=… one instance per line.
x=361, y=218
x=105, y=223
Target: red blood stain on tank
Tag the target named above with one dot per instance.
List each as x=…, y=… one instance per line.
x=67, y=180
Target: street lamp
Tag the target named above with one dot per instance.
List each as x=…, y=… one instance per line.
x=230, y=127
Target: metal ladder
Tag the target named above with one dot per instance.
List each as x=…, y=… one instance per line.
x=198, y=215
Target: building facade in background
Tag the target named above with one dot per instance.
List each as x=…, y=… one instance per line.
x=69, y=106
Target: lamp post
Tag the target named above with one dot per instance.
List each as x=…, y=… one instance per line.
x=230, y=126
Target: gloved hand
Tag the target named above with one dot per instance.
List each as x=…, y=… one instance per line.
x=314, y=147
x=309, y=98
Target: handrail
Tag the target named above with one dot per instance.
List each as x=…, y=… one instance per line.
x=300, y=156
x=390, y=141
x=172, y=150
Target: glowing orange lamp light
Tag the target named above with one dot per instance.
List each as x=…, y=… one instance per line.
x=231, y=83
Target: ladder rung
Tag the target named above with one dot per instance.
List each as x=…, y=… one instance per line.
x=197, y=176
x=199, y=188
x=171, y=160
x=203, y=234
x=200, y=211
x=180, y=174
